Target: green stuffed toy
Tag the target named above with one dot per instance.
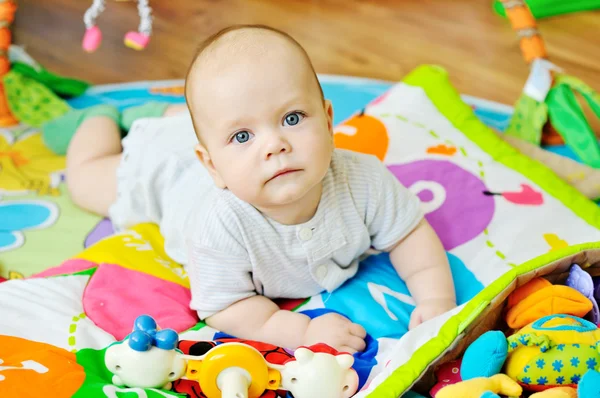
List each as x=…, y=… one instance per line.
x=35, y=95
x=31, y=102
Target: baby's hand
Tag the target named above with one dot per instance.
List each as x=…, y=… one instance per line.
x=337, y=332
x=428, y=309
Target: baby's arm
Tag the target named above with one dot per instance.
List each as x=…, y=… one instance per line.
x=258, y=318
x=225, y=295
x=420, y=260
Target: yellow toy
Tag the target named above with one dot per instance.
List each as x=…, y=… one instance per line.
x=560, y=392
x=239, y=370
x=554, y=351
x=475, y=388
x=552, y=356
x=231, y=369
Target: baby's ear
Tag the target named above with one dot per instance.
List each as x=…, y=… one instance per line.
x=329, y=114
x=206, y=160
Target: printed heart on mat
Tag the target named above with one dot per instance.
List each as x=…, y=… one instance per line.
x=526, y=196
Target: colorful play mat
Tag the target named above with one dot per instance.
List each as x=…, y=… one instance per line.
x=41, y=227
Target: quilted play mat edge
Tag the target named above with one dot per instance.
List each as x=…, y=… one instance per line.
x=434, y=81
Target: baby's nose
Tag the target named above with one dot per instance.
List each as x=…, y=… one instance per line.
x=277, y=145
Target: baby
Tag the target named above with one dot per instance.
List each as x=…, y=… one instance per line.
x=265, y=207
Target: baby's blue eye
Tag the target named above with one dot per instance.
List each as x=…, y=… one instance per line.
x=242, y=137
x=293, y=118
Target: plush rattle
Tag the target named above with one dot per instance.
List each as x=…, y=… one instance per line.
x=136, y=40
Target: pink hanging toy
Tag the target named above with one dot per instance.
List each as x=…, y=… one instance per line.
x=136, y=40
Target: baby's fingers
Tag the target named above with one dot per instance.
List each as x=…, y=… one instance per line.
x=347, y=349
x=356, y=343
x=415, y=319
x=357, y=330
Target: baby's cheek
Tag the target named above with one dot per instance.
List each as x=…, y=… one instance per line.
x=252, y=188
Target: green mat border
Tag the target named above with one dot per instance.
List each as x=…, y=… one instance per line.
x=435, y=82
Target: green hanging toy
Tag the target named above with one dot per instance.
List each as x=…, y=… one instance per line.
x=551, y=8
x=548, y=101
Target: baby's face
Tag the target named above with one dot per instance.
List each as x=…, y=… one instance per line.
x=264, y=125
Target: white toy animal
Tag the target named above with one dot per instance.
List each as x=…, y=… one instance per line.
x=147, y=358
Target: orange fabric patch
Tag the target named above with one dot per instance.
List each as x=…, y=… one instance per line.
x=32, y=369
x=363, y=133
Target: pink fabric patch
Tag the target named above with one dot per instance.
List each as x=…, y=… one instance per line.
x=68, y=267
x=115, y=296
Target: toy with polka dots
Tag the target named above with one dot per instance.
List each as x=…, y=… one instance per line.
x=138, y=40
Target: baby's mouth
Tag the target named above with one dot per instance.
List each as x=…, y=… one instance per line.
x=283, y=172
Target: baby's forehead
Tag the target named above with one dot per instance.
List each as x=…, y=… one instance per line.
x=249, y=58
x=247, y=45
x=245, y=51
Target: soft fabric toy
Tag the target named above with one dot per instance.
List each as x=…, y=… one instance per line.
x=492, y=346
x=589, y=386
x=550, y=8
x=30, y=101
x=559, y=392
x=7, y=16
x=582, y=282
x=540, y=298
x=446, y=375
x=548, y=110
x=553, y=352
x=476, y=388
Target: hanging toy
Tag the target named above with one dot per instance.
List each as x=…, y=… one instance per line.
x=138, y=40
x=548, y=113
x=7, y=16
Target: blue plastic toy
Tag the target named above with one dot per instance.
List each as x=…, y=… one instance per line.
x=145, y=335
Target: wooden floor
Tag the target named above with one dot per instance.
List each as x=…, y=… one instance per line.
x=382, y=39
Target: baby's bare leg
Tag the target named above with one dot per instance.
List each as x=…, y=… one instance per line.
x=92, y=160
x=94, y=150
x=93, y=157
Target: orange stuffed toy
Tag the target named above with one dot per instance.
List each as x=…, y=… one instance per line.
x=539, y=298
